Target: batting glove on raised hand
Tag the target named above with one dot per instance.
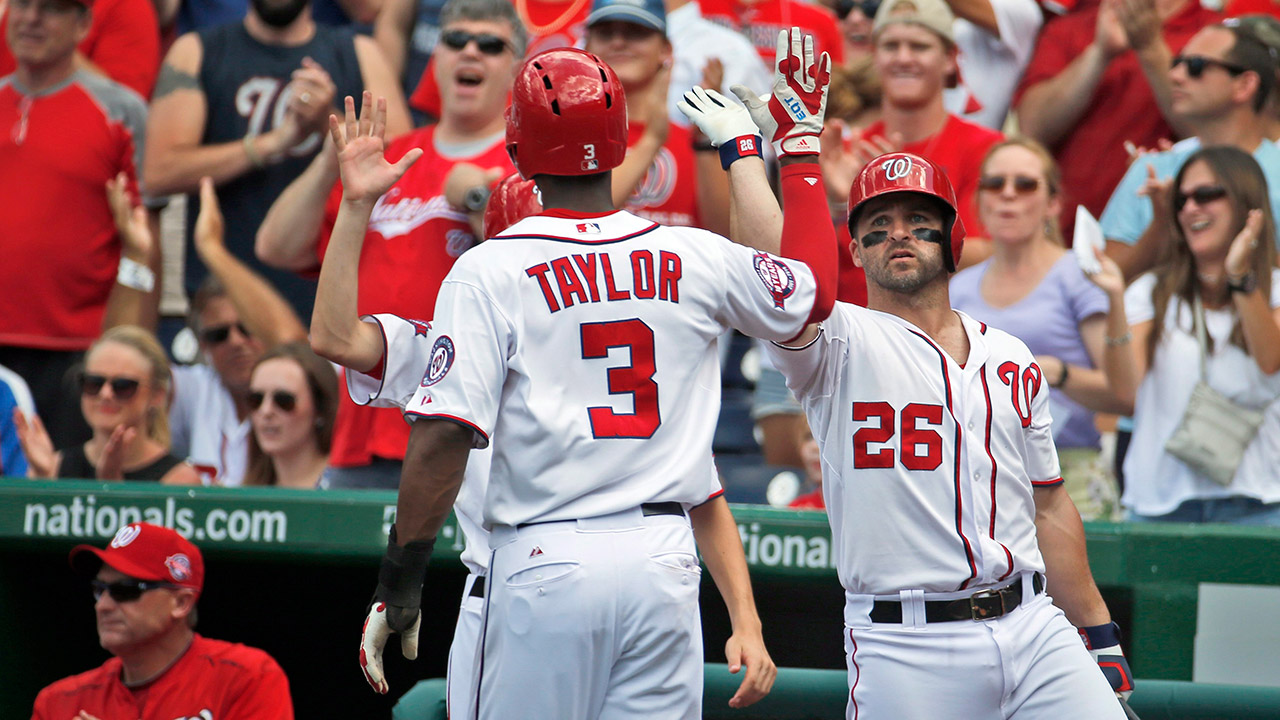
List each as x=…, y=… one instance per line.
x=395, y=607
x=726, y=124
x=1103, y=642
x=791, y=116
x=718, y=117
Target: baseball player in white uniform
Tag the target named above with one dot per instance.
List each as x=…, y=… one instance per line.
x=544, y=338
x=940, y=475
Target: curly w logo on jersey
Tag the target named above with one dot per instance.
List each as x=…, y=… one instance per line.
x=777, y=278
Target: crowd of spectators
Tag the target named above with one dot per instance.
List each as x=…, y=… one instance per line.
x=1157, y=116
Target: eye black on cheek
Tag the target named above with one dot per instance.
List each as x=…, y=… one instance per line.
x=872, y=239
x=928, y=235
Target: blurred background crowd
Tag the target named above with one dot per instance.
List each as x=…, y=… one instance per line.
x=167, y=190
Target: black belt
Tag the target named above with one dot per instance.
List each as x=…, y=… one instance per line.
x=982, y=605
x=646, y=509
x=477, y=587
x=662, y=508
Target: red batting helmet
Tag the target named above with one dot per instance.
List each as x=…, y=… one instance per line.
x=511, y=201
x=568, y=115
x=904, y=172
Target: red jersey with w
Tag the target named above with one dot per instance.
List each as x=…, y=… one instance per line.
x=668, y=194
x=414, y=237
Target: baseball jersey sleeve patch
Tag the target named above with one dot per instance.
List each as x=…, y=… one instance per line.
x=420, y=327
x=777, y=278
x=441, y=360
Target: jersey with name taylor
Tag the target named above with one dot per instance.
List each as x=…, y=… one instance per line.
x=928, y=466
x=585, y=347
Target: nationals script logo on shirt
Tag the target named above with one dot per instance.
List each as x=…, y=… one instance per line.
x=394, y=216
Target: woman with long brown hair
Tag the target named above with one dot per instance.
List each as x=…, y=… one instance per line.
x=293, y=398
x=1217, y=273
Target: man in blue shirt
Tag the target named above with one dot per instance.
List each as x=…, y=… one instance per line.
x=1220, y=84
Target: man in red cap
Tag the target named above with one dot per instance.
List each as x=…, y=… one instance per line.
x=146, y=583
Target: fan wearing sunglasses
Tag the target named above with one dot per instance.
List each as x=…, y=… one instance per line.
x=1033, y=288
x=124, y=391
x=1221, y=82
x=145, y=585
x=293, y=398
x=1221, y=255
x=412, y=241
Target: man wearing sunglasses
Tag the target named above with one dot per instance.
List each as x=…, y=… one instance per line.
x=414, y=235
x=1097, y=80
x=1221, y=81
x=145, y=585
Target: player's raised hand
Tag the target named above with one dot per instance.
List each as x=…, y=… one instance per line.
x=365, y=173
x=791, y=116
x=719, y=118
x=746, y=649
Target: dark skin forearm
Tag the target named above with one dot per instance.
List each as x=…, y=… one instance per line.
x=434, y=463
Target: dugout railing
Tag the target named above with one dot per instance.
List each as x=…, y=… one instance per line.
x=291, y=571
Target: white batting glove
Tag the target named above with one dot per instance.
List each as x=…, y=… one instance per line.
x=718, y=117
x=791, y=116
x=373, y=638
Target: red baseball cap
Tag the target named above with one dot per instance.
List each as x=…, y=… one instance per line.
x=145, y=552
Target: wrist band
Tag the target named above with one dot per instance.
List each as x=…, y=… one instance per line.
x=1100, y=636
x=252, y=152
x=1117, y=341
x=1062, y=379
x=133, y=274
x=738, y=148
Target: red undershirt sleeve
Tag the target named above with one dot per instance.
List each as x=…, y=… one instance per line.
x=807, y=232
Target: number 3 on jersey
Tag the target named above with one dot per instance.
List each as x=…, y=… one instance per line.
x=635, y=379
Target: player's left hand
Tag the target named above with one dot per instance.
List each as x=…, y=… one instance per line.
x=791, y=116
x=1103, y=642
x=373, y=639
x=719, y=118
x=365, y=173
x=747, y=649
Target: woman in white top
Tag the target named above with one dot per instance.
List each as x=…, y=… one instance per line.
x=1221, y=248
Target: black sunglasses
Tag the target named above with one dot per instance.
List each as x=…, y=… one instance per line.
x=1022, y=184
x=126, y=590
x=868, y=7
x=286, y=401
x=219, y=333
x=121, y=388
x=1196, y=65
x=1203, y=195
x=488, y=43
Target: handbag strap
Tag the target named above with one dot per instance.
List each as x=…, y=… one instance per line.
x=1202, y=337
